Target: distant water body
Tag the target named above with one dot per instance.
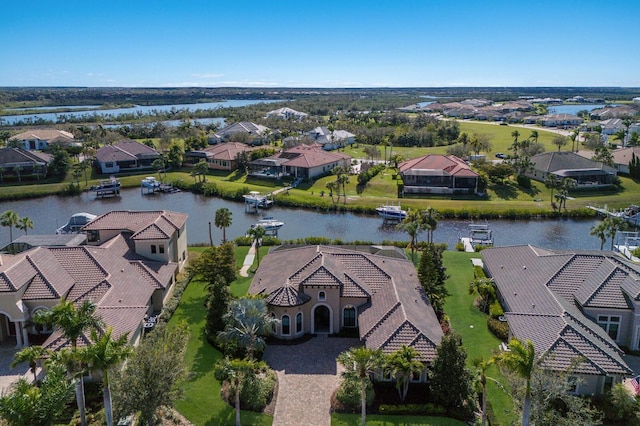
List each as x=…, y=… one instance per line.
x=573, y=109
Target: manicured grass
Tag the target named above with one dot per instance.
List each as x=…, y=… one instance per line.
x=472, y=326
x=202, y=404
x=381, y=420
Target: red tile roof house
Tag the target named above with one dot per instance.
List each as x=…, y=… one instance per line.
x=40, y=139
x=571, y=305
x=326, y=289
x=125, y=156
x=127, y=269
x=302, y=161
x=219, y=157
x=438, y=174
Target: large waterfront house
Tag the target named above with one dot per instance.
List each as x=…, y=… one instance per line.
x=124, y=156
x=438, y=174
x=223, y=156
x=373, y=290
x=330, y=139
x=302, y=161
x=19, y=163
x=575, y=306
x=243, y=131
x=127, y=268
x=565, y=164
x=41, y=139
x=622, y=157
x=286, y=114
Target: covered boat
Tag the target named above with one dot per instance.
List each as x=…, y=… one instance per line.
x=77, y=221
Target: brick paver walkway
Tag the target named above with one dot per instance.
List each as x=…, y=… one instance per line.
x=308, y=373
x=9, y=375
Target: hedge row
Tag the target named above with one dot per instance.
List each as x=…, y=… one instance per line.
x=413, y=409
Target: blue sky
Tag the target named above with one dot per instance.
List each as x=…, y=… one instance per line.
x=308, y=43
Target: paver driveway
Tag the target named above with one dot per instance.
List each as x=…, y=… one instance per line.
x=308, y=373
x=9, y=375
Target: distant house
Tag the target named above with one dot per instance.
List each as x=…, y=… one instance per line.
x=438, y=174
x=330, y=140
x=243, y=131
x=286, y=114
x=41, y=139
x=325, y=290
x=219, y=157
x=19, y=163
x=125, y=156
x=574, y=306
x=555, y=120
x=128, y=270
x=611, y=126
x=302, y=161
x=565, y=164
x=622, y=157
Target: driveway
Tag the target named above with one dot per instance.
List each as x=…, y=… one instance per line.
x=9, y=375
x=308, y=373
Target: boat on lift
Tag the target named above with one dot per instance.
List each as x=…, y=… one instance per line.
x=392, y=213
x=269, y=224
x=256, y=199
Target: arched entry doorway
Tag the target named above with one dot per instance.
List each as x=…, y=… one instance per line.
x=321, y=319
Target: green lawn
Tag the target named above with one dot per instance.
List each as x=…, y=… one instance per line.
x=380, y=420
x=472, y=325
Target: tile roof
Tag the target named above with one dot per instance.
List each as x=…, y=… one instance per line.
x=544, y=293
x=143, y=224
x=242, y=127
x=308, y=156
x=555, y=161
x=15, y=156
x=436, y=164
x=394, y=309
x=225, y=151
x=43, y=135
x=125, y=151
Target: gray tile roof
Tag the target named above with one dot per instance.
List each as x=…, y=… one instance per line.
x=555, y=161
x=544, y=292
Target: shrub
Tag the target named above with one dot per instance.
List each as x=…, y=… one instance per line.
x=495, y=310
x=243, y=241
x=413, y=409
x=478, y=272
x=459, y=246
x=498, y=328
x=524, y=181
x=257, y=390
x=348, y=394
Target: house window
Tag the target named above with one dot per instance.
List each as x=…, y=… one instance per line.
x=322, y=296
x=161, y=248
x=610, y=324
x=415, y=377
x=299, y=322
x=608, y=383
x=286, y=327
x=349, y=317
x=153, y=249
x=108, y=164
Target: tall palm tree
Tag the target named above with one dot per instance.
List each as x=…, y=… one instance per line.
x=30, y=354
x=247, y=323
x=403, y=364
x=520, y=359
x=600, y=231
x=429, y=222
x=481, y=383
x=103, y=354
x=234, y=371
x=9, y=219
x=574, y=137
x=534, y=135
x=361, y=363
x=24, y=224
x=73, y=322
x=614, y=224
x=411, y=225
x=223, y=221
x=552, y=182
x=256, y=233
x=484, y=288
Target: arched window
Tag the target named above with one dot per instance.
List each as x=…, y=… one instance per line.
x=286, y=326
x=299, y=323
x=349, y=317
x=322, y=296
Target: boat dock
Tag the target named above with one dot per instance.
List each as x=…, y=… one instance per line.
x=630, y=215
x=254, y=200
x=107, y=188
x=150, y=185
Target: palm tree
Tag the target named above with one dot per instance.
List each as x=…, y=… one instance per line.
x=484, y=288
x=620, y=135
x=429, y=222
x=481, y=382
x=201, y=168
x=30, y=354
x=552, y=182
x=614, y=224
x=73, y=322
x=600, y=231
x=234, y=371
x=24, y=224
x=160, y=165
x=10, y=219
x=17, y=170
x=103, y=354
x=574, y=137
x=534, y=135
x=247, y=323
x=223, y=221
x=256, y=233
x=403, y=364
x=520, y=359
x=361, y=362
x=411, y=225
x=515, y=135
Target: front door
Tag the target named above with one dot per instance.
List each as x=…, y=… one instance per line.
x=321, y=319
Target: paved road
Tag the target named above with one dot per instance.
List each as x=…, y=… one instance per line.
x=307, y=376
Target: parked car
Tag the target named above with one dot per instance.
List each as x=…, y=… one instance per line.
x=500, y=155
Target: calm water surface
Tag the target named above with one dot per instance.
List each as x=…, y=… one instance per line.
x=51, y=212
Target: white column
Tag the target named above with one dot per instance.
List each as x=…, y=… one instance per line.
x=18, y=334
x=25, y=335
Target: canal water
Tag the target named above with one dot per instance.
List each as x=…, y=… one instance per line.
x=49, y=213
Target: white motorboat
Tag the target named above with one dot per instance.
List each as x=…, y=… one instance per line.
x=392, y=212
x=76, y=222
x=256, y=199
x=269, y=224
